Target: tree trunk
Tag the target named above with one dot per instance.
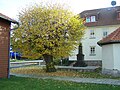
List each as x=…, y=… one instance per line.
x=50, y=67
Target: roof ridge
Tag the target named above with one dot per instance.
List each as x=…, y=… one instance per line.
x=100, y=9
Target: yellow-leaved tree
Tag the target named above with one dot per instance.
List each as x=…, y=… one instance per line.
x=48, y=31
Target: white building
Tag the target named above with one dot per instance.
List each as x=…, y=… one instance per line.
x=99, y=23
x=111, y=53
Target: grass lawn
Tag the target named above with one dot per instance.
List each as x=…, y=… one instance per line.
x=19, y=83
x=38, y=71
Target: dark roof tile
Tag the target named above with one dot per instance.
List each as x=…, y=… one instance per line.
x=104, y=16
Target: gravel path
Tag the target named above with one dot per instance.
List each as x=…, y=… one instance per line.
x=78, y=80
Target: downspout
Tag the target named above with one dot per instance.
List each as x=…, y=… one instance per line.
x=15, y=27
x=9, y=46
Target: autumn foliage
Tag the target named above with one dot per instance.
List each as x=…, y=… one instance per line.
x=47, y=31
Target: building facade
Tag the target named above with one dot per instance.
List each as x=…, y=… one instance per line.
x=99, y=24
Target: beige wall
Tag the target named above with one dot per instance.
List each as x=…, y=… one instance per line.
x=107, y=57
x=87, y=42
x=116, y=50
x=111, y=57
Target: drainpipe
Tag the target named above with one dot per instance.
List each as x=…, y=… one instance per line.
x=9, y=46
x=15, y=27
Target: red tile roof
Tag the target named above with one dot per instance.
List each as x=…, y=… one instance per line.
x=7, y=18
x=114, y=37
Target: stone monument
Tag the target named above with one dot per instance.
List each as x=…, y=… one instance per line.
x=80, y=58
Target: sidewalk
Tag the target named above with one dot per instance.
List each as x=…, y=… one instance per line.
x=75, y=79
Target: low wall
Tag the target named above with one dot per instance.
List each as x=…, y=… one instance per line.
x=94, y=63
x=79, y=69
x=114, y=72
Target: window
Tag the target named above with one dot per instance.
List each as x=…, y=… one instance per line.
x=118, y=15
x=91, y=19
x=92, y=34
x=87, y=19
x=105, y=33
x=92, y=51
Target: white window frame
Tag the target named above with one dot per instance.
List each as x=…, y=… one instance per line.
x=92, y=34
x=105, y=33
x=92, y=50
x=91, y=19
x=88, y=19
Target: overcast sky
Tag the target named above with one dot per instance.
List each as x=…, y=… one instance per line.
x=12, y=7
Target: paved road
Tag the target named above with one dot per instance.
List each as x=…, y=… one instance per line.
x=75, y=79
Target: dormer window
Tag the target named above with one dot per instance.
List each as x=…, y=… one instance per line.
x=118, y=15
x=91, y=19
